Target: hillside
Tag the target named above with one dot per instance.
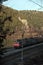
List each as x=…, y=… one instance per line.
x=11, y=23
x=34, y=18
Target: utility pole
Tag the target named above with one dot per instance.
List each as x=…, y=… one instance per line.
x=22, y=61
x=22, y=48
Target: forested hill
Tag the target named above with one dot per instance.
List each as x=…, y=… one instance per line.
x=13, y=21
x=34, y=18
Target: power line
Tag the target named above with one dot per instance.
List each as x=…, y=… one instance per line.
x=36, y=3
x=41, y=5
x=41, y=2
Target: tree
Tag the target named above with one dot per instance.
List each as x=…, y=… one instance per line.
x=2, y=33
x=1, y=1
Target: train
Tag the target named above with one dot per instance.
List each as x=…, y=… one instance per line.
x=27, y=42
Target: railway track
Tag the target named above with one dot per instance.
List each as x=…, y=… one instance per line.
x=13, y=56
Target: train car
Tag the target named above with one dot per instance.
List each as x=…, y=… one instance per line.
x=25, y=42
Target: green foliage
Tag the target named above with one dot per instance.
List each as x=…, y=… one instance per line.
x=34, y=18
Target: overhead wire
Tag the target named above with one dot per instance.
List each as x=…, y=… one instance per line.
x=36, y=3
x=41, y=5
